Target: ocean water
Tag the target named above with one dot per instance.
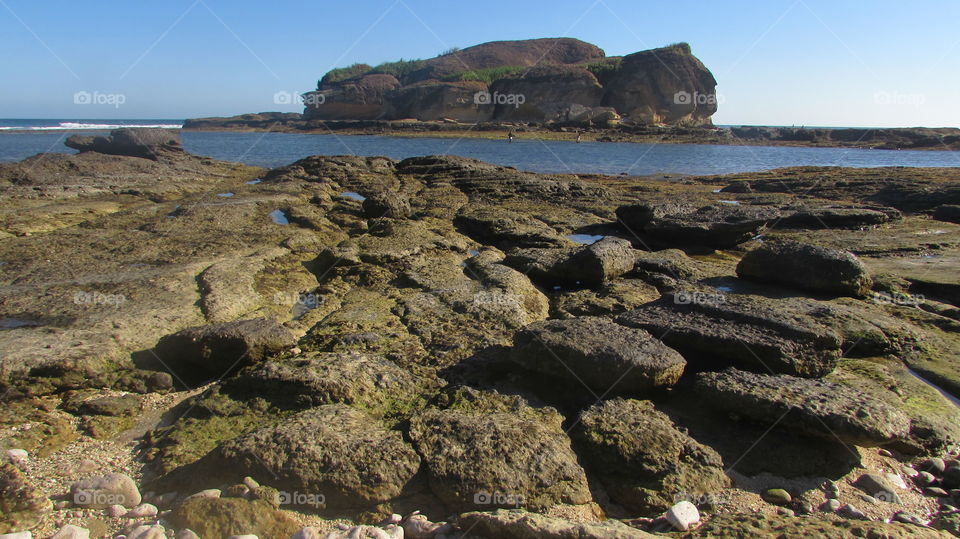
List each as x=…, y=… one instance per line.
x=276, y=149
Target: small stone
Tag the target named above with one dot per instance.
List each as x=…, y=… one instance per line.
x=947, y=508
x=207, y=493
x=251, y=483
x=682, y=515
x=100, y=492
x=144, y=510
x=934, y=465
x=831, y=488
x=924, y=479
x=187, y=533
x=909, y=472
x=937, y=492
x=785, y=512
x=306, y=533
x=16, y=456
x=776, y=496
x=868, y=498
x=896, y=480
x=852, y=511
x=71, y=532
x=831, y=506
x=805, y=508
x=884, y=453
x=908, y=518
x=61, y=505
x=878, y=487
x=116, y=511
x=148, y=532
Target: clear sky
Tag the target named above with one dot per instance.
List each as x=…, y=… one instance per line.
x=777, y=62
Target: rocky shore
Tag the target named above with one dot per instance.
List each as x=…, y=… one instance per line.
x=440, y=347
x=918, y=138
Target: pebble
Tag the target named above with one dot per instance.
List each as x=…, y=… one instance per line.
x=785, y=512
x=878, y=487
x=832, y=489
x=936, y=491
x=832, y=505
x=251, y=483
x=868, y=498
x=17, y=535
x=884, y=453
x=776, y=496
x=947, y=508
x=16, y=456
x=934, y=465
x=909, y=472
x=908, y=518
x=148, y=532
x=852, y=511
x=925, y=478
x=683, y=515
x=806, y=508
x=896, y=480
x=71, y=532
x=144, y=510
x=116, y=511
x=208, y=493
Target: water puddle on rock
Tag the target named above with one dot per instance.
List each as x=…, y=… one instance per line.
x=174, y=212
x=473, y=252
x=735, y=202
x=717, y=190
x=278, y=217
x=225, y=195
x=14, y=323
x=255, y=182
x=948, y=396
x=353, y=196
x=584, y=239
x=304, y=304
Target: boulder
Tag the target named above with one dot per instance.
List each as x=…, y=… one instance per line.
x=147, y=143
x=486, y=450
x=643, y=460
x=225, y=517
x=505, y=229
x=947, y=212
x=339, y=455
x=805, y=266
x=100, y=492
x=752, y=332
x=519, y=524
x=387, y=204
x=803, y=406
x=595, y=351
x=199, y=353
x=586, y=266
x=718, y=227
x=22, y=505
x=635, y=217
x=321, y=378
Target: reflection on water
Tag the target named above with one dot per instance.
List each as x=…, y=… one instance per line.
x=278, y=217
x=585, y=239
x=353, y=196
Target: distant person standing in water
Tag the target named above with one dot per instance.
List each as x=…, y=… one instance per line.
x=510, y=136
x=578, y=137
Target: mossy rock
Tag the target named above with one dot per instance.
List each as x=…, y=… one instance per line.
x=225, y=517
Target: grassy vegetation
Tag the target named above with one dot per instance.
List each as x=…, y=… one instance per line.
x=604, y=69
x=399, y=69
x=344, y=73
x=486, y=75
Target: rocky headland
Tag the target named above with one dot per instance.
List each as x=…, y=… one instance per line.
x=440, y=347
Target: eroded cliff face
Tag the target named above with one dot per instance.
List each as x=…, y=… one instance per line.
x=542, y=80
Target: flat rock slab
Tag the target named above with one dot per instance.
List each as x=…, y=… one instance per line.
x=816, y=407
x=643, y=460
x=488, y=451
x=333, y=451
x=808, y=267
x=586, y=266
x=718, y=227
x=599, y=353
x=752, y=332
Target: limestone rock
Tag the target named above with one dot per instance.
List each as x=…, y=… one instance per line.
x=805, y=266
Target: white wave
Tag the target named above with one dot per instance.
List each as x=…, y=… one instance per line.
x=74, y=126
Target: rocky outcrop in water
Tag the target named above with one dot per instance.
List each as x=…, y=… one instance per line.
x=152, y=144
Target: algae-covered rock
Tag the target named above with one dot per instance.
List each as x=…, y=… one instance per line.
x=810, y=267
x=226, y=517
x=22, y=505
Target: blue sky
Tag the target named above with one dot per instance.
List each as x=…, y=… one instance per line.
x=778, y=62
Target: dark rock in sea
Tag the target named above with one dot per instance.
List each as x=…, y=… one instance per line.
x=213, y=351
x=334, y=450
x=752, y=332
x=584, y=266
x=155, y=144
x=811, y=407
x=645, y=463
x=605, y=356
x=805, y=266
x=947, y=212
x=486, y=450
x=718, y=227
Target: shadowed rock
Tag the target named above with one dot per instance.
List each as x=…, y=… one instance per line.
x=811, y=407
x=586, y=266
x=643, y=460
x=752, y=332
x=805, y=266
x=147, y=143
x=710, y=226
x=601, y=354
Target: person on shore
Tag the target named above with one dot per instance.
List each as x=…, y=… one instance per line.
x=578, y=137
x=510, y=136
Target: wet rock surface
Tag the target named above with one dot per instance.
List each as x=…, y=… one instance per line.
x=389, y=351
